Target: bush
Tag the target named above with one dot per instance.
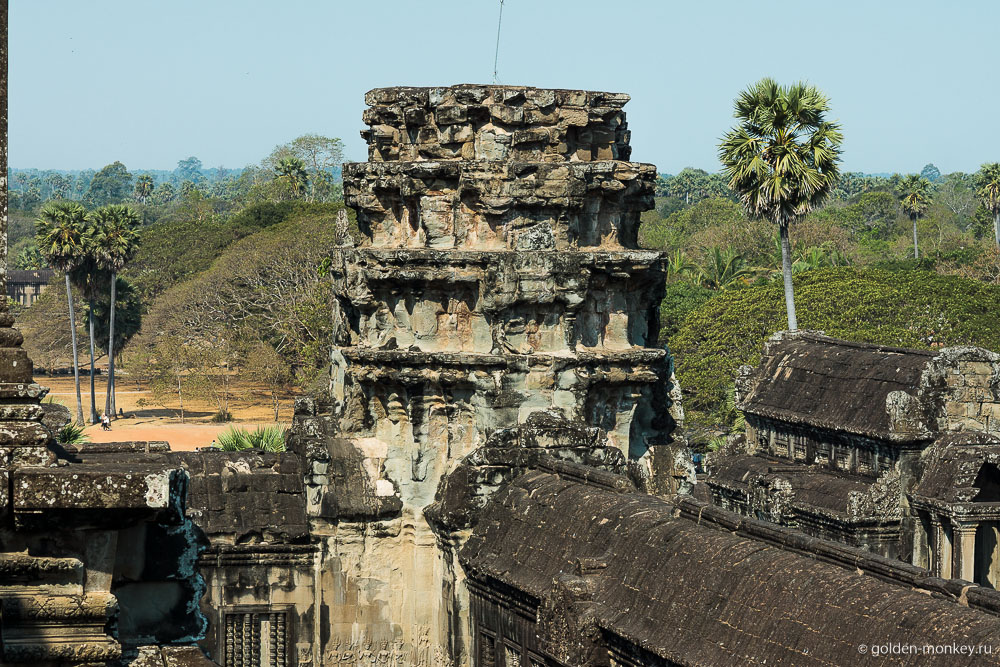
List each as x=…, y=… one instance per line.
x=909, y=309
x=266, y=438
x=72, y=434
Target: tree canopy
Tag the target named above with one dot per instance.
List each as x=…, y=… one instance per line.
x=918, y=309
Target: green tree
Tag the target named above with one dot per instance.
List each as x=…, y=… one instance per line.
x=114, y=242
x=189, y=169
x=320, y=156
x=143, y=188
x=914, y=198
x=111, y=185
x=29, y=258
x=60, y=237
x=988, y=189
x=877, y=212
x=782, y=159
x=931, y=173
x=164, y=193
x=292, y=171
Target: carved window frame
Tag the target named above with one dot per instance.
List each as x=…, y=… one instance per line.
x=483, y=636
x=285, y=610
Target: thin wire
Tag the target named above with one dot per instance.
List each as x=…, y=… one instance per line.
x=496, y=54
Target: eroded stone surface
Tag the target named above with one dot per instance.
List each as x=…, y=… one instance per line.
x=497, y=282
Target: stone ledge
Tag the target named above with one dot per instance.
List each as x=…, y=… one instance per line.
x=96, y=486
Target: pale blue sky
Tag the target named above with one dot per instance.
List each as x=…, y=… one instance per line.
x=151, y=82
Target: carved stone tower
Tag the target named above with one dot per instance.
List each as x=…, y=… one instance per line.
x=498, y=276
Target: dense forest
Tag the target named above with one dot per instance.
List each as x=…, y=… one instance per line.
x=225, y=281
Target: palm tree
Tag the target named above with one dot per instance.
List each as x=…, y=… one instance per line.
x=114, y=241
x=782, y=159
x=679, y=265
x=723, y=268
x=293, y=170
x=60, y=230
x=143, y=190
x=988, y=189
x=914, y=198
x=88, y=277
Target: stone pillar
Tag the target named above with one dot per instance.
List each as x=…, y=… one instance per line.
x=921, y=541
x=934, y=560
x=965, y=551
x=944, y=559
x=987, y=554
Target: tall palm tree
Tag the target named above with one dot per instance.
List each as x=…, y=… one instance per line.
x=88, y=277
x=293, y=171
x=988, y=189
x=114, y=242
x=60, y=237
x=782, y=159
x=144, y=186
x=914, y=198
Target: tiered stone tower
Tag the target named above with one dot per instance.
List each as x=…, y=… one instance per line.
x=498, y=276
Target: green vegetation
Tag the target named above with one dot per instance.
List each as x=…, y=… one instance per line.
x=782, y=161
x=919, y=309
x=72, y=434
x=914, y=198
x=266, y=438
x=988, y=189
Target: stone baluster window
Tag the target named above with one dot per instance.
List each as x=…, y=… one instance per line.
x=487, y=651
x=255, y=639
x=512, y=656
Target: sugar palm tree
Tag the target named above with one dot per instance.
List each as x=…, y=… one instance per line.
x=89, y=278
x=144, y=186
x=114, y=242
x=988, y=189
x=782, y=160
x=60, y=237
x=914, y=198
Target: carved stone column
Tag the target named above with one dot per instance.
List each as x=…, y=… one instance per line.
x=934, y=546
x=965, y=551
x=944, y=550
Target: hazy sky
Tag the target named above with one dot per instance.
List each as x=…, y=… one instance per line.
x=151, y=82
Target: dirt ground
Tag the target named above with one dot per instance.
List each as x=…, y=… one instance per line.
x=250, y=406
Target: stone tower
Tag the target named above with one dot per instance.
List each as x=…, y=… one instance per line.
x=498, y=275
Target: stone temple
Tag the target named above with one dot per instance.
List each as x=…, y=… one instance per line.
x=497, y=476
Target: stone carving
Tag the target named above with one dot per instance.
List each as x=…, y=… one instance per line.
x=496, y=296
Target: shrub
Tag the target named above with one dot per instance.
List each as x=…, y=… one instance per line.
x=72, y=434
x=266, y=438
